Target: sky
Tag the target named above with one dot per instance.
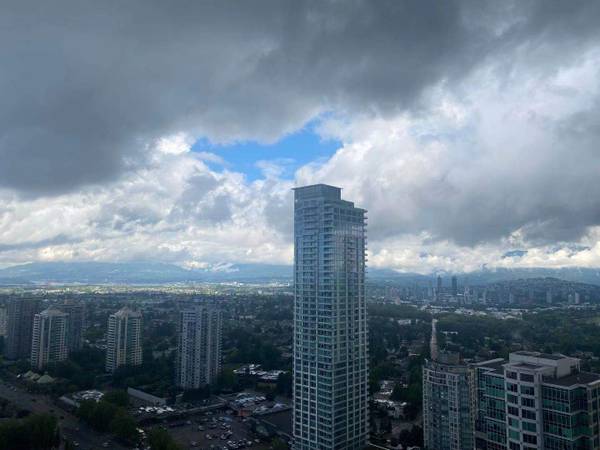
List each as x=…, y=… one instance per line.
x=175, y=131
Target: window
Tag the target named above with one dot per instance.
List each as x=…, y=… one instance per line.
x=513, y=411
x=529, y=402
x=526, y=414
x=527, y=390
x=527, y=377
x=529, y=426
x=529, y=438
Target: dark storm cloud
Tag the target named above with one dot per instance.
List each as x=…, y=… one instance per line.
x=87, y=85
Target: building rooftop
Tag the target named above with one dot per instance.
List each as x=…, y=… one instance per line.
x=555, y=356
x=574, y=379
x=523, y=365
x=127, y=312
x=495, y=365
x=53, y=312
x=318, y=190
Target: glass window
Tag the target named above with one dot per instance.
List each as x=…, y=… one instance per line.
x=526, y=377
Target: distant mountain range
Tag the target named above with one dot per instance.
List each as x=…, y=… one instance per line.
x=137, y=273
x=161, y=273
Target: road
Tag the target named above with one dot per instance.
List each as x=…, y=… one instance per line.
x=71, y=427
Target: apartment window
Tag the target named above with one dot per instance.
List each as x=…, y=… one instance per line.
x=527, y=377
x=528, y=414
x=527, y=390
x=529, y=402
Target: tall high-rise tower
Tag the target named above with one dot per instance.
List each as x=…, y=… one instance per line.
x=124, y=339
x=50, y=338
x=76, y=312
x=330, y=321
x=19, y=324
x=447, y=409
x=199, y=346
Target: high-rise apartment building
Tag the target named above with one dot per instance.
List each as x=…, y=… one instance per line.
x=536, y=401
x=76, y=312
x=447, y=405
x=199, y=346
x=19, y=325
x=330, y=321
x=49, y=338
x=124, y=339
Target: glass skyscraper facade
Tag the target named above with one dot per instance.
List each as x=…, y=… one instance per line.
x=536, y=401
x=330, y=321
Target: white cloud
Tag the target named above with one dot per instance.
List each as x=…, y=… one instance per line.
x=466, y=131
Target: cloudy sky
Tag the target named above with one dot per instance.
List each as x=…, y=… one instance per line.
x=174, y=131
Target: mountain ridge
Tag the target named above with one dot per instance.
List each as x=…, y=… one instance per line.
x=143, y=272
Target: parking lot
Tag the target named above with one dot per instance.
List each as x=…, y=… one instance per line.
x=218, y=431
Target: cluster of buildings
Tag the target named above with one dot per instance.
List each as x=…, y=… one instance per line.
x=49, y=336
x=530, y=401
x=42, y=336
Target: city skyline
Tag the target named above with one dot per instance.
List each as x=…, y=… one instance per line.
x=468, y=130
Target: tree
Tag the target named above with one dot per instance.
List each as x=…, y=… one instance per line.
x=193, y=395
x=159, y=439
x=117, y=397
x=284, y=384
x=86, y=410
x=278, y=444
x=226, y=380
x=97, y=415
x=36, y=432
x=123, y=426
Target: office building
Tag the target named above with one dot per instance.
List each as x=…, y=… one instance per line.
x=19, y=325
x=76, y=328
x=454, y=286
x=199, y=346
x=124, y=339
x=330, y=322
x=536, y=401
x=49, y=338
x=447, y=404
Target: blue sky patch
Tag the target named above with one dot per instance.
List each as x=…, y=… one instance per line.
x=291, y=152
